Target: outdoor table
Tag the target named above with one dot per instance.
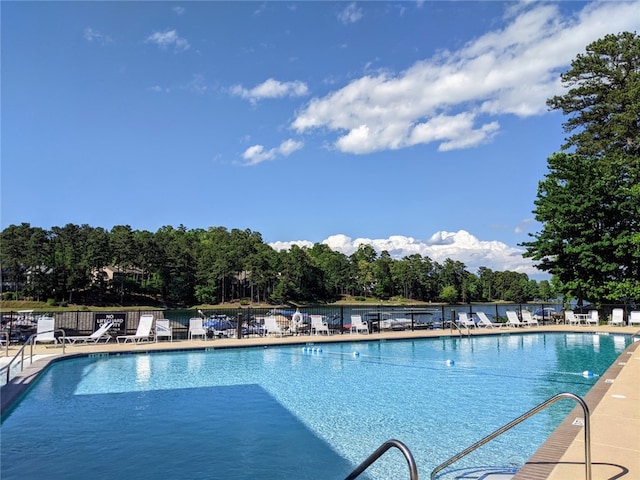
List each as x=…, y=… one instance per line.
x=582, y=317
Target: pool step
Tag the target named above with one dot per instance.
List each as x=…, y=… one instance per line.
x=482, y=473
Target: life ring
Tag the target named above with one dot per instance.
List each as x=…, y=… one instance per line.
x=297, y=317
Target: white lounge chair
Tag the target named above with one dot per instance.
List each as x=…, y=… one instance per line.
x=465, y=321
x=593, y=318
x=196, y=328
x=100, y=335
x=45, y=330
x=570, y=318
x=271, y=327
x=357, y=325
x=163, y=329
x=513, y=320
x=528, y=320
x=634, y=317
x=483, y=321
x=318, y=325
x=143, y=332
x=617, y=317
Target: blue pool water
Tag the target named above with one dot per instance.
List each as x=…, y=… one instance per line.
x=307, y=412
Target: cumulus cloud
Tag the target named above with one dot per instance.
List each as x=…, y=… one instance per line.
x=453, y=98
x=271, y=88
x=350, y=14
x=257, y=153
x=458, y=246
x=167, y=39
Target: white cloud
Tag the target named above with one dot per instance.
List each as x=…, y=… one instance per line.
x=197, y=84
x=178, y=10
x=271, y=89
x=92, y=35
x=458, y=246
x=159, y=89
x=169, y=38
x=257, y=154
x=351, y=14
x=453, y=98
x=524, y=225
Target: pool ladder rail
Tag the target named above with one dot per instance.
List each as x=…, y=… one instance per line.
x=18, y=358
x=413, y=468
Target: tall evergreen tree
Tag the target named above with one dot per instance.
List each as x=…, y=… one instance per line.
x=589, y=202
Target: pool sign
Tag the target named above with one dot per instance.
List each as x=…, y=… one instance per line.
x=118, y=320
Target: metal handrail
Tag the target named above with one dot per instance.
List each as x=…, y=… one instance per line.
x=413, y=467
x=30, y=342
x=455, y=324
x=521, y=418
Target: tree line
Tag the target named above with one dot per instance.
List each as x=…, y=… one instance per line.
x=180, y=266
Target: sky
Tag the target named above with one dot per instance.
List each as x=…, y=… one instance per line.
x=415, y=127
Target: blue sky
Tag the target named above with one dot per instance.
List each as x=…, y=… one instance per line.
x=417, y=127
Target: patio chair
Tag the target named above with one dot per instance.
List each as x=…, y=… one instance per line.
x=465, y=321
x=45, y=330
x=357, y=325
x=163, y=329
x=100, y=335
x=271, y=327
x=617, y=317
x=570, y=318
x=143, y=332
x=634, y=317
x=483, y=321
x=593, y=318
x=318, y=325
x=196, y=328
x=528, y=320
x=513, y=320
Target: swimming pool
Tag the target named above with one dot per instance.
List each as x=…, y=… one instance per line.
x=306, y=412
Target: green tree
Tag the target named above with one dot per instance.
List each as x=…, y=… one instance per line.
x=384, y=285
x=178, y=271
x=71, y=272
x=545, y=290
x=449, y=294
x=24, y=256
x=362, y=261
x=589, y=202
x=603, y=99
x=335, y=266
x=451, y=273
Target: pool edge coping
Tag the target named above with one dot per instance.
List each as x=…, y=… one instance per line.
x=542, y=463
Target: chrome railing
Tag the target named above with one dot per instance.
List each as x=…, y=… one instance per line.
x=413, y=468
x=521, y=418
x=6, y=369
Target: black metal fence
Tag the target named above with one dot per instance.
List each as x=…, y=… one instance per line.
x=248, y=321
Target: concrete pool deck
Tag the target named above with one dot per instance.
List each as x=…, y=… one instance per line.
x=614, y=401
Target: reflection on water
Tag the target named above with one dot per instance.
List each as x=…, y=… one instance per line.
x=143, y=369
